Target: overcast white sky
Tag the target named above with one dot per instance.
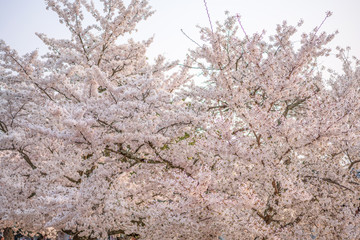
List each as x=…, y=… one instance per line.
x=19, y=19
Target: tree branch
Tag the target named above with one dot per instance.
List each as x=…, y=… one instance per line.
x=328, y=180
x=353, y=163
x=172, y=125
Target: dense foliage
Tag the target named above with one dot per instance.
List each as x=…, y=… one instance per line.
x=95, y=140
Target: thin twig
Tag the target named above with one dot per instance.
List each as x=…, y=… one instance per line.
x=189, y=38
x=238, y=18
x=208, y=14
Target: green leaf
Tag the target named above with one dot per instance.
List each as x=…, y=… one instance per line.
x=165, y=147
x=186, y=135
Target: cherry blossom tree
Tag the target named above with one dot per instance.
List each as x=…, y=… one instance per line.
x=82, y=128
x=284, y=140
x=95, y=140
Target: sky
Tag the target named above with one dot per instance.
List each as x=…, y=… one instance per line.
x=20, y=19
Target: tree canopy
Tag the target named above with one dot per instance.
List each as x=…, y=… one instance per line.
x=95, y=140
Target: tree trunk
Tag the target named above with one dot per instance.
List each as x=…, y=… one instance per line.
x=8, y=234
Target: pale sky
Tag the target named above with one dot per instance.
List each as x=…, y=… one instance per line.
x=20, y=19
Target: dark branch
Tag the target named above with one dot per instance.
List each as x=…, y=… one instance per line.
x=328, y=180
x=353, y=163
x=172, y=125
x=26, y=158
x=3, y=127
